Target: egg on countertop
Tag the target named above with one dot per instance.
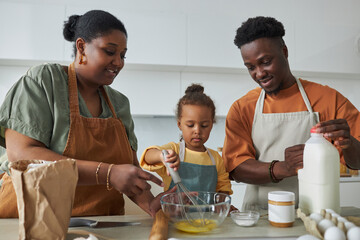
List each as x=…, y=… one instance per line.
x=334, y=233
x=353, y=233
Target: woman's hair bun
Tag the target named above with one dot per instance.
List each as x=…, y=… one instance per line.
x=70, y=27
x=194, y=88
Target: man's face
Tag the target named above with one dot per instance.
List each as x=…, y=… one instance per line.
x=266, y=61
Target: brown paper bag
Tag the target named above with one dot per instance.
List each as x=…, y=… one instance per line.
x=45, y=196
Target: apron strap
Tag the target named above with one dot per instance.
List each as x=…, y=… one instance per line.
x=182, y=152
x=304, y=96
x=73, y=91
x=108, y=101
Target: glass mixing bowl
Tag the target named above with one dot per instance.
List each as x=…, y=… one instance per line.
x=209, y=212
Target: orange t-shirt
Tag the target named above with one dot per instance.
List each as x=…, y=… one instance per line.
x=238, y=145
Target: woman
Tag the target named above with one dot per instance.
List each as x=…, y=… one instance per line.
x=54, y=112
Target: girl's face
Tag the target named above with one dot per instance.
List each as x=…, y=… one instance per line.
x=104, y=58
x=195, y=123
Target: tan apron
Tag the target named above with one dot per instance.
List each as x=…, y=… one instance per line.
x=272, y=133
x=92, y=139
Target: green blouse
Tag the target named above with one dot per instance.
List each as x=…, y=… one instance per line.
x=38, y=107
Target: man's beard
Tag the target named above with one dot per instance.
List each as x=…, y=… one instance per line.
x=275, y=91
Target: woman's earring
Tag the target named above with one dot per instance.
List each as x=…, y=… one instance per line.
x=82, y=61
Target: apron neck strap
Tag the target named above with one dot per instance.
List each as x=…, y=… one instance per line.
x=73, y=93
x=260, y=103
x=182, y=152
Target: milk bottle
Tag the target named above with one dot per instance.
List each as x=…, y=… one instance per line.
x=319, y=178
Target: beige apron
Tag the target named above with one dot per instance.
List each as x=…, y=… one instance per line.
x=272, y=133
x=92, y=139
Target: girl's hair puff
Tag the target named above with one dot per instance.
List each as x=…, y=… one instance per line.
x=194, y=95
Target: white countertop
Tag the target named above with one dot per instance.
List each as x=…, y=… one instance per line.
x=228, y=230
x=350, y=179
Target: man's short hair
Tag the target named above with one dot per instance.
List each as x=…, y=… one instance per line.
x=258, y=27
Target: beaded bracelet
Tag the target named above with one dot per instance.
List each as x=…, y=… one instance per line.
x=107, y=178
x=97, y=173
x=271, y=172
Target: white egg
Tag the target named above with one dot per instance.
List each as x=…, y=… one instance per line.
x=325, y=224
x=334, y=233
x=328, y=210
x=342, y=219
x=316, y=217
x=353, y=233
x=335, y=215
x=307, y=237
x=349, y=225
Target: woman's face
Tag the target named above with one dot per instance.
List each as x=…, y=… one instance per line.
x=195, y=123
x=104, y=58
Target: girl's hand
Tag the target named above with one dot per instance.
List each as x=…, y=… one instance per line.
x=173, y=159
x=131, y=180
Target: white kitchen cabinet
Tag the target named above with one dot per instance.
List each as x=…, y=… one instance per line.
x=31, y=31
x=350, y=191
x=223, y=89
x=238, y=194
x=326, y=41
x=150, y=92
x=8, y=76
x=154, y=37
x=212, y=29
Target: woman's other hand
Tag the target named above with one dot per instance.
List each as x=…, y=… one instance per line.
x=155, y=204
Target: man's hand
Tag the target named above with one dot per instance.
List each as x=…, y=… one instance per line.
x=336, y=130
x=294, y=159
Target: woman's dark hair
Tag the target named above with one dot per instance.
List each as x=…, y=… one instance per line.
x=259, y=27
x=194, y=95
x=91, y=25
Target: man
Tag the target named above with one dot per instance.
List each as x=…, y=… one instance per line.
x=266, y=129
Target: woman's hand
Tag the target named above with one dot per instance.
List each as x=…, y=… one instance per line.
x=173, y=159
x=155, y=204
x=131, y=180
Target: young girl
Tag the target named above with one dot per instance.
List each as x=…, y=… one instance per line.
x=200, y=168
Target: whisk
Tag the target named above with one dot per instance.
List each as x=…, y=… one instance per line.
x=195, y=218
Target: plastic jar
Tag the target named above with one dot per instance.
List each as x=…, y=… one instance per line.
x=281, y=205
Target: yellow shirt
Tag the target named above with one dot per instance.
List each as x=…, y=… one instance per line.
x=201, y=158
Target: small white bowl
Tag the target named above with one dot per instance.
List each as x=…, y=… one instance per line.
x=245, y=219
